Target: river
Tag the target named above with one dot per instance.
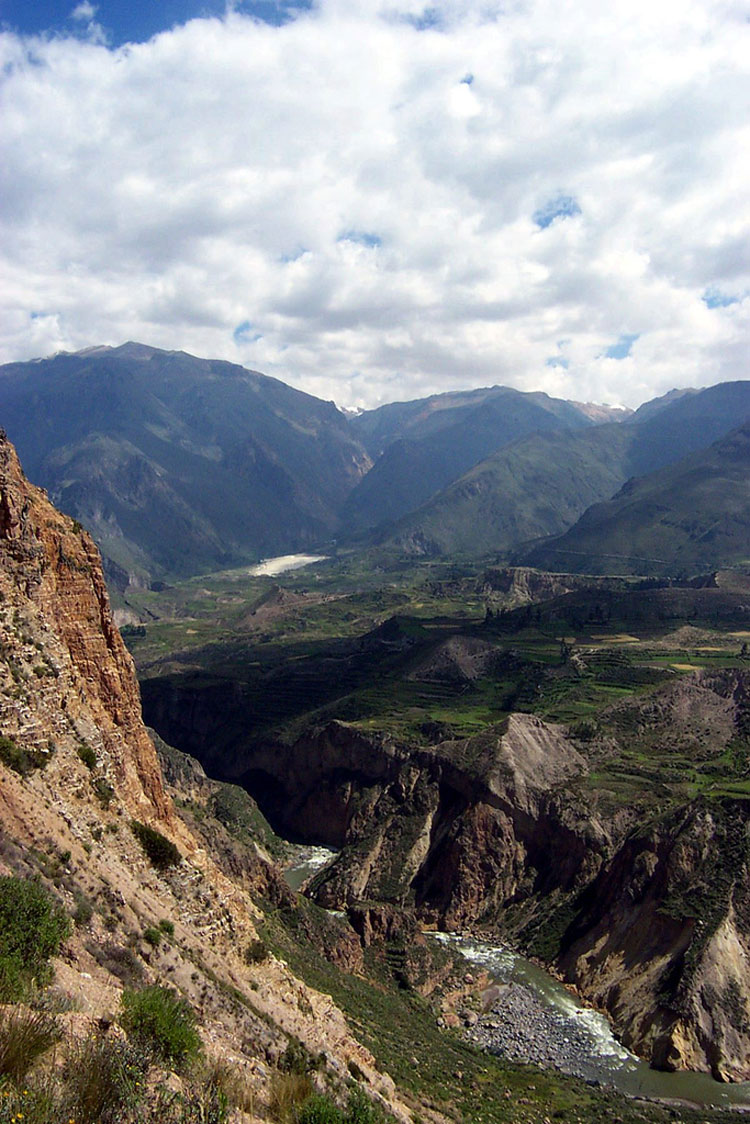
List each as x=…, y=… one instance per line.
x=537, y=1019
x=533, y=1017
x=272, y=567
x=304, y=861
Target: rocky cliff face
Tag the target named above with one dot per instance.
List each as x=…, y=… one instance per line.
x=663, y=939
x=462, y=829
x=77, y=766
x=67, y=675
x=456, y=830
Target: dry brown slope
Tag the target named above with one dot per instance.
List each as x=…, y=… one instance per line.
x=67, y=689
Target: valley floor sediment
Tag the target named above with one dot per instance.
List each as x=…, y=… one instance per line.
x=531, y=1017
x=520, y=1027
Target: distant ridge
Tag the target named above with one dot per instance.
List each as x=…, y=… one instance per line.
x=689, y=516
x=179, y=465
x=541, y=485
x=424, y=446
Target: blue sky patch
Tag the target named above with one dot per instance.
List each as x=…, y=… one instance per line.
x=557, y=361
x=361, y=237
x=561, y=207
x=134, y=21
x=714, y=298
x=245, y=333
x=467, y=80
x=425, y=21
x=293, y=255
x=623, y=347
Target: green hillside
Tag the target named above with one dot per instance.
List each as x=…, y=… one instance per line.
x=691, y=516
x=431, y=443
x=538, y=486
x=179, y=465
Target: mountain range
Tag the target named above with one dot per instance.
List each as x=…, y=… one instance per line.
x=690, y=516
x=541, y=485
x=179, y=465
x=156, y=966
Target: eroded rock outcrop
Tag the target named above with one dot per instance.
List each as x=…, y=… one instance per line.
x=67, y=672
x=456, y=830
x=662, y=939
x=505, y=830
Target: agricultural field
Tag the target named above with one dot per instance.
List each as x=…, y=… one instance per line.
x=435, y=652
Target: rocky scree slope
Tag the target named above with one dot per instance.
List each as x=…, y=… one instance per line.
x=77, y=767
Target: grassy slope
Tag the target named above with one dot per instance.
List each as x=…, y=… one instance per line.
x=691, y=516
x=432, y=453
x=539, y=485
x=334, y=659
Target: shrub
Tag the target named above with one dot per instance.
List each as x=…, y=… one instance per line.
x=256, y=952
x=152, y=936
x=288, y=1092
x=103, y=1079
x=163, y=1022
x=298, y=1059
x=24, y=1037
x=83, y=911
x=87, y=755
x=231, y=1083
x=103, y=791
x=361, y=1110
x=166, y=927
x=120, y=961
x=21, y=760
x=32, y=927
x=53, y=1001
x=197, y=1104
x=159, y=850
x=35, y=1105
x=318, y=1109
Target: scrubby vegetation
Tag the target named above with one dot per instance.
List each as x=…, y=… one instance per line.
x=256, y=952
x=32, y=928
x=87, y=755
x=21, y=759
x=25, y=1035
x=103, y=1080
x=163, y=1023
x=160, y=851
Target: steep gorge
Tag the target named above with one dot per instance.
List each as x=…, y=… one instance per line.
x=509, y=833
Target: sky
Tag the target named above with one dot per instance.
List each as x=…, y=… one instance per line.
x=376, y=201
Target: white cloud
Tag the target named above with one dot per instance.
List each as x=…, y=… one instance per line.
x=84, y=14
x=363, y=194
x=84, y=11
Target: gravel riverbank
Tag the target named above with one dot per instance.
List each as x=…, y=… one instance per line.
x=518, y=1026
